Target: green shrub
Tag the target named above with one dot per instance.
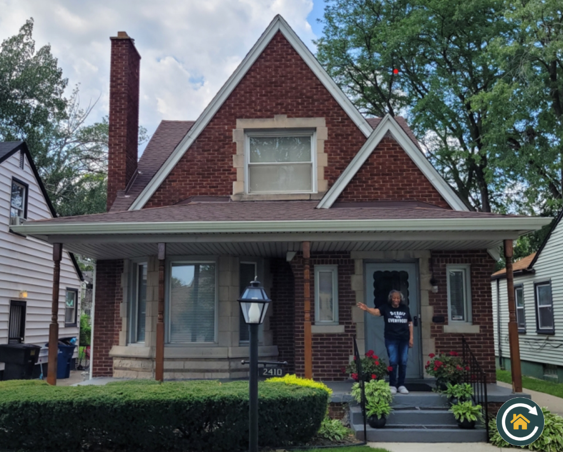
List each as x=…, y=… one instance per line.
x=85, y=329
x=333, y=430
x=467, y=411
x=378, y=397
x=195, y=416
x=551, y=440
x=461, y=391
x=295, y=380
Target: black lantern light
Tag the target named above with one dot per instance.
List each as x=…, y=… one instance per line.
x=254, y=303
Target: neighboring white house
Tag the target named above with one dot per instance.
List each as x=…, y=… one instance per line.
x=538, y=290
x=26, y=264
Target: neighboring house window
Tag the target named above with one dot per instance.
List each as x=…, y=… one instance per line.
x=247, y=272
x=192, y=305
x=71, y=307
x=520, y=313
x=280, y=161
x=459, y=293
x=16, y=324
x=326, y=294
x=544, y=308
x=18, y=201
x=138, y=302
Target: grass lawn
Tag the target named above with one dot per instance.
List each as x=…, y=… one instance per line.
x=548, y=387
x=348, y=449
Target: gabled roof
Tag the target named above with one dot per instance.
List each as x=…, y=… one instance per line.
x=162, y=144
x=278, y=25
x=521, y=266
x=390, y=125
x=9, y=148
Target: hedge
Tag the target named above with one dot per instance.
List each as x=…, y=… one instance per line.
x=187, y=416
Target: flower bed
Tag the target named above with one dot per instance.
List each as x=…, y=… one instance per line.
x=447, y=368
x=146, y=415
x=373, y=368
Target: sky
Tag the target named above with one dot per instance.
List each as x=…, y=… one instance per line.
x=188, y=47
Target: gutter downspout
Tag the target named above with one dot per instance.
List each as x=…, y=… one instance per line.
x=92, y=317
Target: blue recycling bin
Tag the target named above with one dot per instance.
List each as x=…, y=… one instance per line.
x=64, y=359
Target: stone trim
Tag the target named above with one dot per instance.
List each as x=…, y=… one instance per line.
x=426, y=311
x=279, y=122
x=327, y=329
x=464, y=328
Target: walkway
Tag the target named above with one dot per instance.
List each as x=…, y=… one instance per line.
x=553, y=403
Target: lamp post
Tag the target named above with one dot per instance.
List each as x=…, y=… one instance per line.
x=253, y=305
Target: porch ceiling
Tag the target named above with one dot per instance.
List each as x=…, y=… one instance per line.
x=276, y=245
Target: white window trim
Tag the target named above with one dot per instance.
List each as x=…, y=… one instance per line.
x=281, y=133
x=133, y=300
x=541, y=329
x=24, y=200
x=190, y=260
x=521, y=329
x=466, y=268
x=334, y=270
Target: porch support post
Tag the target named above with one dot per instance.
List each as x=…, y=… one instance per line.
x=308, y=354
x=512, y=323
x=159, y=365
x=54, y=326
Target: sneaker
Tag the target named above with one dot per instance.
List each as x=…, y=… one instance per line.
x=393, y=390
x=403, y=390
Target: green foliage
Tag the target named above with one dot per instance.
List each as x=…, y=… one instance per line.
x=548, y=387
x=467, y=411
x=373, y=367
x=149, y=416
x=446, y=367
x=333, y=430
x=461, y=391
x=85, y=329
x=551, y=440
x=378, y=397
x=295, y=380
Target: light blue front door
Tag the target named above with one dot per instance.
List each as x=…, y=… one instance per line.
x=380, y=279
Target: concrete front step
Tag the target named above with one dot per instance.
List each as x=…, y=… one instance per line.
x=414, y=417
x=422, y=435
x=419, y=400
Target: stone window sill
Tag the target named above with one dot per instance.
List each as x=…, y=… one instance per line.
x=462, y=328
x=327, y=329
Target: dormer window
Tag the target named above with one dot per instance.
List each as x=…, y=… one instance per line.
x=18, y=202
x=280, y=161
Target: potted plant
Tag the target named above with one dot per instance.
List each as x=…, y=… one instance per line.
x=467, y=414
x=461, y=392
x=373, y=368
x=378, y=401
x=446, y=368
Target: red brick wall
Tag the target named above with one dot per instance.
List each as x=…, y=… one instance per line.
x=279, y=83
x=482, y=344
x=389, y=174
x=123, y=115
x=283, y=304
x=330, y=351
x=107, y=321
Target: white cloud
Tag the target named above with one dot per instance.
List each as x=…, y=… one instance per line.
x=188, y=48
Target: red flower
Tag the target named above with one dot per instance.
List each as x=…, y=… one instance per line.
x=354, y=358
x=466, y=367
x=375, y=357
x=452, y=353
x=369, y=353
x=427, y=363
x=458, y=367
x=377, y=363
x=373, y=377
x=432, y=355
x=355, y=377
x=389, y=368
x=438, y=363
x=435, y=369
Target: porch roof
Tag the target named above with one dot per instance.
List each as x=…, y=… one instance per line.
x=203, y=225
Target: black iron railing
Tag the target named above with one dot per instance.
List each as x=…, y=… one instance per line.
x=477, y=378
x=359, y=371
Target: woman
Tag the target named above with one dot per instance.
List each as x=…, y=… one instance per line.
x=398, y=336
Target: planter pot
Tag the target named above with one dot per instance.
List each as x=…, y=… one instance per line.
x=453, y=400
x=466, y=424
x=377, y=422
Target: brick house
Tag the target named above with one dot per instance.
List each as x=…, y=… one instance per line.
x=280, y=177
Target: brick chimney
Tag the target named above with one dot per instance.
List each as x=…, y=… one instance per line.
x=123, y=114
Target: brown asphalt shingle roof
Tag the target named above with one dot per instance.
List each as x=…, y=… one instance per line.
x=162, y=144
x=522, y=264
x=222, y=209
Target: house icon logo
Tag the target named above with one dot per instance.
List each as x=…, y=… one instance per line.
x=520, y=421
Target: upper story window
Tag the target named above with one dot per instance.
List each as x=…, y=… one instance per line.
x=18, y=202
x=71, y=302
x=459, y=293
x=544, y=308
x=280, y=161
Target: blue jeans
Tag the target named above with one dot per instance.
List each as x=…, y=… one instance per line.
x=398, y=352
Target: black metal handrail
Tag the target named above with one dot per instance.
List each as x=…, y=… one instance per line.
x=362, y=383
x=477, y=378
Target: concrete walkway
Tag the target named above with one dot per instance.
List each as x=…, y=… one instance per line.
x=438, y=447
x=553, y=403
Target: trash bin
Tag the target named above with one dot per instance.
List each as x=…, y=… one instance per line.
x=64, y=359
x=19, y=360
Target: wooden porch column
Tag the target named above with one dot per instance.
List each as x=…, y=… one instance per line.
x=54, y=326
x=159, y=367
x=512, y=323
x=307, y=308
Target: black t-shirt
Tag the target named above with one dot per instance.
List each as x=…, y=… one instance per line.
x=396, y=321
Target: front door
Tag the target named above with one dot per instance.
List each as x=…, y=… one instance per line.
x=380, y=280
